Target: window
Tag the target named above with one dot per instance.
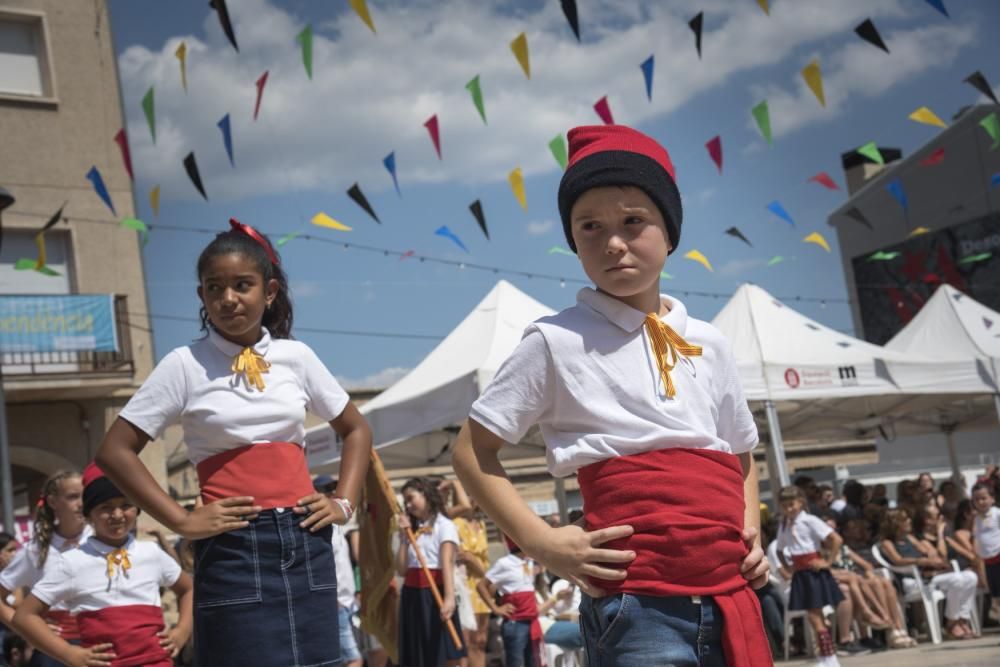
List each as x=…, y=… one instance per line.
x=20, y=244
x=25, y=69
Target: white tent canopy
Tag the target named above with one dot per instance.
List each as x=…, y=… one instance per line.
x=828, y=384
x=420, y=411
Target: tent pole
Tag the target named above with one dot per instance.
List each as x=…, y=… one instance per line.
x=777, y=467
x=956, y=472
x=561, y=500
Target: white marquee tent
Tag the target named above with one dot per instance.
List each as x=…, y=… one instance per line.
x=828, y=384
x=420, y=411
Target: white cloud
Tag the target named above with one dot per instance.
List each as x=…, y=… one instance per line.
x=539, y=227
x=371, y=94
x=740, y=266
x=858, y=71
x=380, y=380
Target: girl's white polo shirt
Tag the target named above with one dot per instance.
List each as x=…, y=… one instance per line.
x=195, y=386
x=802, y=536
x=588, y=377
x=442, y=530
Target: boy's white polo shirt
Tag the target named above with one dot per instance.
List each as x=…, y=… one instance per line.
x=80, y=578
x=987, y=533
x=588, y=377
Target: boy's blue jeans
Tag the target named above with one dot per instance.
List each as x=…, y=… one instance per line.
x=517, y=643
x=628, y=630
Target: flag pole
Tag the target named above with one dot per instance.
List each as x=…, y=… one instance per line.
x=390, y=496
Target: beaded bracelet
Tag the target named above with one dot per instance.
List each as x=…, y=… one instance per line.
x=345, y=505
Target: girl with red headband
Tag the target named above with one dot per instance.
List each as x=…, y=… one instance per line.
x=643, y=402
x=265, y=581
x=59, y=527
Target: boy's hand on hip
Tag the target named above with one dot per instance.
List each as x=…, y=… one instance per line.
x=754, y=567
x=575, y=555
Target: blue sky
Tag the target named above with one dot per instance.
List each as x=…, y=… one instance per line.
x=371, y=93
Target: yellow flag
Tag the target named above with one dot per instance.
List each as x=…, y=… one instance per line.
x=520, y=48
x=700, y=258
x=40, y=242
x=360, y=8
x=377, y=523
x=927, y=117
x=154, y=200
x=818, y=239
x=918, y=231
x=763, y=5
x=181, y=54
x=517, y=185
x=323, y=220
x=814, y=79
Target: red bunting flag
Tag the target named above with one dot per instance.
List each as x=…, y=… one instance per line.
x=122, y=142
x=604, y=111
x=824, y=179
x=937, y=157
x=432, y=128
x=261, y=82
x=714, y=147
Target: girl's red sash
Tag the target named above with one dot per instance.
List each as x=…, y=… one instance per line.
x=274, y=473
x=417, y=578
x=801, y=562
x=687, y=507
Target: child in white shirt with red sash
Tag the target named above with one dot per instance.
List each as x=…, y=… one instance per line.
x=265, y=579
x=644, y=403
x=513, y=577
x=111, y=584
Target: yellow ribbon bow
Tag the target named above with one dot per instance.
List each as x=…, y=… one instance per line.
x=668, y=346
x=118, y=557
x=251, y=364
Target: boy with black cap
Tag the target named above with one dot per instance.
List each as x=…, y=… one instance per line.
x=112, y=585
x=644, y=403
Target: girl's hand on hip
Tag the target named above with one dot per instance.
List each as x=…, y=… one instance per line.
x=574, y=554
x=321, y=510
x=218, y=517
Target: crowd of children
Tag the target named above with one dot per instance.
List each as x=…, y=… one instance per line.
x=639, y=399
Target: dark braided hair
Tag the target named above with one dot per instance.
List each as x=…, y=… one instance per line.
x=45, y=517
x=435, y=503
x=278, y=316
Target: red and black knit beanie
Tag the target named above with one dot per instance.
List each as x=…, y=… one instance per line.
x=97, y=488
x=603, y=155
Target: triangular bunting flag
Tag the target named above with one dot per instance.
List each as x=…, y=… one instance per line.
x=355, y=193
x=432, y=128
x=519, y=45
x=191, y=167
x=477, y=212
x=517, y=186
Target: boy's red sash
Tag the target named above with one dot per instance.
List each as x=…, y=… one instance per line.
x=132, y=631
x=686, y=506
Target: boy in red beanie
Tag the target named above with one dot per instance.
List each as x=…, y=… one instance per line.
x=644, y=404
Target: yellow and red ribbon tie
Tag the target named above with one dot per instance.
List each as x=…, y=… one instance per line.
x=119, y=558
x=668, y=346
x=251, y=365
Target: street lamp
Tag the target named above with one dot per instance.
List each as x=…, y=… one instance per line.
x=6, y=479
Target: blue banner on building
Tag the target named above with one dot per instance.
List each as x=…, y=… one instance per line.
x=58, y=323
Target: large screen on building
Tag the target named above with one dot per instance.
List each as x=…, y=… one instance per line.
x=896, y=281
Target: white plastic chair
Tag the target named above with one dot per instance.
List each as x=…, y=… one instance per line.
x=923, y=593
x=977, y=626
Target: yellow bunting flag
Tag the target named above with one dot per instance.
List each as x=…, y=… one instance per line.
x=763, y=5
x=700, y=258
x=360, y=8
x=814, y=79
x=181, y=54
x=520, y=48
x=321, y=219
x=517, y=185
x=818, y=239
x=927, y=117
x=154, y=200
x=918, y=231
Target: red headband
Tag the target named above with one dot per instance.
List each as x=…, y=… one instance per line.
x=255, y=235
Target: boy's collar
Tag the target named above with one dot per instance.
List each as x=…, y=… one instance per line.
x=231, y=349
x=104, y=548
x=628, y=318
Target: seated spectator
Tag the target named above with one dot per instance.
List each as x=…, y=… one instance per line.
x=929, y=525
x=854, y=501
x=874, y=597
x=878, y=496
x=949, y=492
x=961, y=546
x=824, y=497
x=902, y=548
x=909, y=496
